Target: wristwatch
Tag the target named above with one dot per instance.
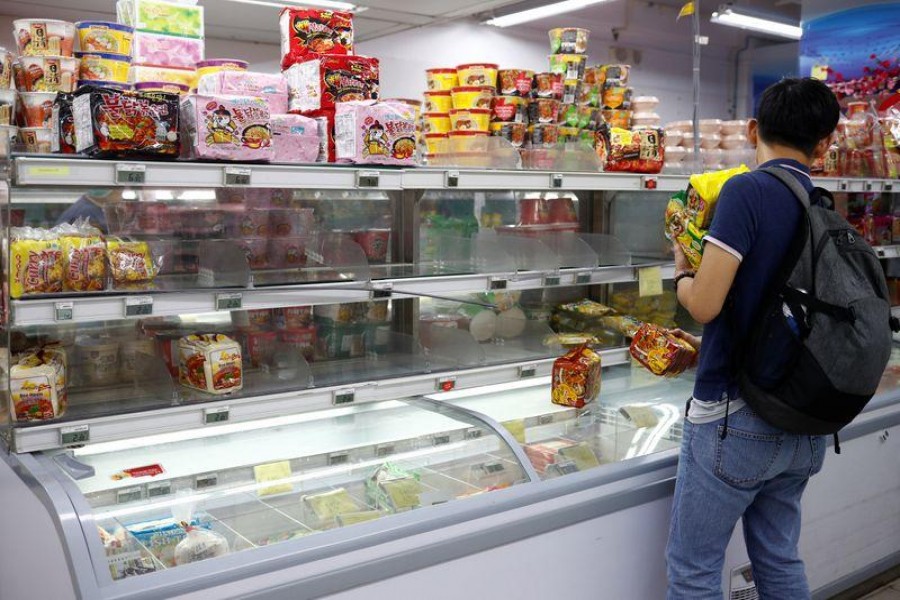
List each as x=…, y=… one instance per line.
x=682, y=275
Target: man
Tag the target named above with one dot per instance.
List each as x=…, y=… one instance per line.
x=733, y=464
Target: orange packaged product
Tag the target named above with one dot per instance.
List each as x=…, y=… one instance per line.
x=576, y=377
x=660, y=352
x=130, y=262
x=84, y=258
x=210, y=362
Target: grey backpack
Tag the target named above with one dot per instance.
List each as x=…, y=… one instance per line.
x=822, y=338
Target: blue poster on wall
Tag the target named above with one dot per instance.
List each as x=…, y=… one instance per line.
x=859, y=44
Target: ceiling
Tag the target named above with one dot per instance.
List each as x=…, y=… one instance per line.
x=252, y=23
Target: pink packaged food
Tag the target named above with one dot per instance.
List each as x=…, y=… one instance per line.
x=272, y=87
x=166, y=50
x=375, y=132
x=226, y=128
x=296, y=139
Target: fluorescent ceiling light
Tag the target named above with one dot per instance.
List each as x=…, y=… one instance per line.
x=557, y=8
x=332, y=4
x=727, y=15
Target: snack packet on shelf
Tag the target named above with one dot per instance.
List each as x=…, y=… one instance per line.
x=161, y=16
x=210, y=363
x=570, y=340
x=640, y=151
x=271, y=87
x=371, y=132
x=295, y=139
x=170, y=50
x=576, y=377
x=321, y=82
x=111, y=122
x=308, y=32
x=84, y=257
x=37, y=385
x=226, y=128
x=62, y=122
x=660, y=352
x=36, y=262
x=130, y=262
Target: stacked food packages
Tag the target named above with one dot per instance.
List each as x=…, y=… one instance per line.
x=867, y=143
x=321, y=68
x=37, y=383
x=168, y=43
x=645, y=309
x=75, y=258
x=723, y=144
x=586, y=322
x=373, y=132
x=576, y=377
x=661, y=352
x=690, y=213
x=211, y=363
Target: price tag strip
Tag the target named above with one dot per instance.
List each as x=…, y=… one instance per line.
x=75, y=436
x=343, y=397
x=229, y=301
x=367, y=179
x=237, y=176
x=445, y=384
x=63, y=311
x=131, y=174
x=650, y=282
x=216, y=415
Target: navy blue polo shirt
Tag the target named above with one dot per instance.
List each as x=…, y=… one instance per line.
x=755, y=220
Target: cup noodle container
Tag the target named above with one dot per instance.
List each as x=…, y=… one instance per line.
x=6, y=76
x=132, y=356
x=256, y=251
x=548, y=85
x=36, y=108
x=250, y=222
x=711, y=126
x=45, y=73
x=144, y=73
x=514, y=133
x=476, y=74
x=8, y=108
x=738, y=127
x=287, y=252
x=438, y=101
x=437, y=143
x=294, y=317
x=437, y=123
x=441, y=79
x=161, y=86
x=99, y=360
x=103, y=67
x=44, y=37
x=217, y=65
x=36, y=140
x=569, y=66
x=509, y=109
x=105, y=37
x=472, y=97
x=470, y=119
x=569, y=40
x=468, y=141
x=300, y=339
x=515, y=82
x=374, y=243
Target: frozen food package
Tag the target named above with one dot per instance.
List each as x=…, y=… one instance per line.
x=308, y=32
x=321, y=82
x=199, y=544
x=661, y=352
x=270, y=86
x=130, y=262
x=36, y=262
x=226, y=128
x=84, y=258
x=110, y=122
x=62, y=122
x=641, y=151
x=159, y=16
x=295, y=139
x=37, y=385
x=167, y=50
x=371, y=132
x=210, y=363
x=576, y=377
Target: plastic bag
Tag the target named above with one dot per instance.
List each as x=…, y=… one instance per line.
x=130, y=262
x=84, y=257
x=199, y=544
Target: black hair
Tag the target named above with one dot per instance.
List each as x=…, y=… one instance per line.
x=798, y=113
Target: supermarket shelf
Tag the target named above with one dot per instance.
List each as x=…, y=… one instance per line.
x=30, y=171
x=243, y=410
x=846, y=184
x=482, y=179
x=100, y=307
x=887, y=251
x=54, y=171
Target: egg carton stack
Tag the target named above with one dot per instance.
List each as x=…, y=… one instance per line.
x=46, y=65
x=321, y=69
x=168, y=44
x=723, y=145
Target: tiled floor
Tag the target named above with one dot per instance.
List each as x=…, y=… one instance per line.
x=889, y=592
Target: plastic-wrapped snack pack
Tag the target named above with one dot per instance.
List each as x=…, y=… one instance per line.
x=271, y=87
x=660, y=352
x=37, y=385
x=323, y=81
x=36, y=262
x=210, y=363
x=307, y=32
x=576, y=377
x=375, y=133
x=226, y=128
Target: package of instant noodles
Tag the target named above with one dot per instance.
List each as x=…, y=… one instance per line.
x=36, y=262
x=84, y=257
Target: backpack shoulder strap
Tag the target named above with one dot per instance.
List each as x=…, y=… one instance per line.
x=791, y=182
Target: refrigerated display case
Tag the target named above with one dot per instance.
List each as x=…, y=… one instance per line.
x=392, y=335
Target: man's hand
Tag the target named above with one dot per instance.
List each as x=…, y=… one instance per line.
x=681, y=261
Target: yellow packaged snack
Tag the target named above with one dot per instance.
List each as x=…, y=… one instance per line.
x=36, y=262
x=210, y=363
x=130, y=262
x=691, y=241
x=84, y=259
x=703, y=193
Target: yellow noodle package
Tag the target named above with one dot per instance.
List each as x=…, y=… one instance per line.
x=84, y=258
x=36, y=262
x=130, y=262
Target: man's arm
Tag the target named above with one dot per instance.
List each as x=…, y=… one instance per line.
x=704, y=295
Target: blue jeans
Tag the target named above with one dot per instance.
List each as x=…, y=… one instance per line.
x=757, y=472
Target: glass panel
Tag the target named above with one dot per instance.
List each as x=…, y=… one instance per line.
x=635, y=414
x=170, y=500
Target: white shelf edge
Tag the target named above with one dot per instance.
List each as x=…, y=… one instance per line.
x=100, y=307
x=892, y=251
